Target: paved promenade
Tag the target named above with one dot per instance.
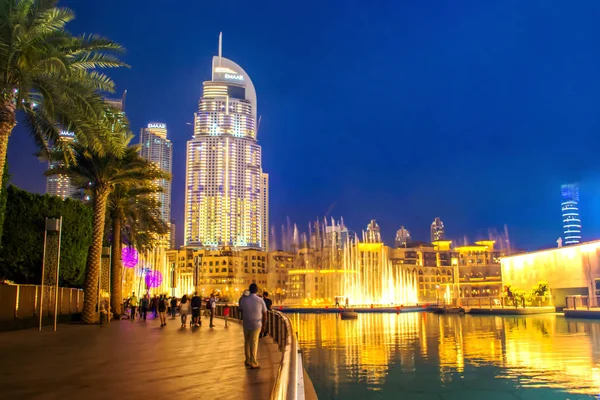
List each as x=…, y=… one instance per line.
x=134, y=360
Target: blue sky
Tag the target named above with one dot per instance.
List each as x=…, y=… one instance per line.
x=401, y=111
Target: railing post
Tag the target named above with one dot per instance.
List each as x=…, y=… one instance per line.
x=588, y=302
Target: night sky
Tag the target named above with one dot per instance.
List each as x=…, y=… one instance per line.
x=473, y=111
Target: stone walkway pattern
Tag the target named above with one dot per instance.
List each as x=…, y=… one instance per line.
x=134, y=360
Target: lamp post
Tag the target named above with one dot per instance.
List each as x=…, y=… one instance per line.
x=50, y=268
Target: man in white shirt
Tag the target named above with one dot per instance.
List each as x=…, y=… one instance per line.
x=254, y=314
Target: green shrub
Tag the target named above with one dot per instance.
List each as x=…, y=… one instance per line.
x=23, y=237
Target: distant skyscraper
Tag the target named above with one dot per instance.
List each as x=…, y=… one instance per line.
x=60, y=185
x=157, y=149
x=402, y=237
x=173, y=231
x=570, y=213
x=226, y=199
x=373, y=233
x=437, y=230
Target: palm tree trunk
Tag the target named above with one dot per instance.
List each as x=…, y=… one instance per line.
x=116, y=279
x=92, y=269
x=8, y=121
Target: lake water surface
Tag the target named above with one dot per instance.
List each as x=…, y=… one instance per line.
x=424, y=356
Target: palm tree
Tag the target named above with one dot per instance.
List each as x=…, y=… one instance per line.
x=134, y=215
x=99, y=174
x=50, y=75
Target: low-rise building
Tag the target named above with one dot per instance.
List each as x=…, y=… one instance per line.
x=570, y=271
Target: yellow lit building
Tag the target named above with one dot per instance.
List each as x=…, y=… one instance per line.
x=479, y=269
x=571, y=270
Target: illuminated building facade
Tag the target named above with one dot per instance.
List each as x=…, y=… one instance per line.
x=226, y=190
x=402, y=237
x=570, y=213
x=569, y=271
x=156, y=148
x=225, y=271
x=479, y=269
x=437, y=230
x=60, y=184
x=373, y=233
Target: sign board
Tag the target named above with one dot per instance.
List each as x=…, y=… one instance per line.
x=157, y=125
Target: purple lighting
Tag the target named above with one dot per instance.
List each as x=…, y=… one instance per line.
x=129, y=255
x=153, y=279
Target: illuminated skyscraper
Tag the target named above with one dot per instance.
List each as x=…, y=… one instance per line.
x=60, y=184
x=570, y=213
x=402, y=237
x=437, y=230
x=157, y=149
x=373, y=233
x=226, y=201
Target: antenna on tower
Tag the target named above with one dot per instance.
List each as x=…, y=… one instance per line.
x=258, y=125
x=220, y=47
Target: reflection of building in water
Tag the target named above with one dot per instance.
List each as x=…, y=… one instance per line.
x=571, y=270
x=375, y=350
x=359, y=350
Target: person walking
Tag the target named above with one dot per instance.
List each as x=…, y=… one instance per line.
x=184, y=307
x=196, y=304
x=162, y=309
x=211, y=306
x=133, y=302
x=173, y=307
x=144, y=303
x=269, y=304
x=255, y=316
x=155, y=305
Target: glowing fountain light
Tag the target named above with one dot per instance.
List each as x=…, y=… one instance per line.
x=129, y=255
x=153, y=279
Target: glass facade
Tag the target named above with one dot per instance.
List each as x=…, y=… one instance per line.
x=157, y=149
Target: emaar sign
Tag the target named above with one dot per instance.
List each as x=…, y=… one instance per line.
x=234, y=77
x=157, y=125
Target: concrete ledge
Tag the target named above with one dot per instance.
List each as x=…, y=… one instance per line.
x=588, y=314
x=512, y=311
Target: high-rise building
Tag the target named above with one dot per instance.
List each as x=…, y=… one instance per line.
x=157, y=149
x=172, y=244
x=373, y=233
x=570, y=213
x=226, y=199
x=402, y=237
x=60, y=185
x=437, y=230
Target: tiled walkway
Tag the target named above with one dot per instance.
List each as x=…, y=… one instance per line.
x=134, y=360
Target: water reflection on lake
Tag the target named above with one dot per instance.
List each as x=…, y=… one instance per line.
x=425, y=356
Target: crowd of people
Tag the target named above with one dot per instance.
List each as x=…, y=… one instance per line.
x=252, y=306
x=162, y=306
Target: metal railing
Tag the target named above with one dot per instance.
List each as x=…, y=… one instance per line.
x=581, y=302
x=503, y=302
x=289, y=384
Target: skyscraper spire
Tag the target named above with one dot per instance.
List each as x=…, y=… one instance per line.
x=220, y=47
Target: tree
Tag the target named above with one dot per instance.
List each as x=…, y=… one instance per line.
x=100, y=173
x=51, y=76
x=135, y=218
x=23, y=238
